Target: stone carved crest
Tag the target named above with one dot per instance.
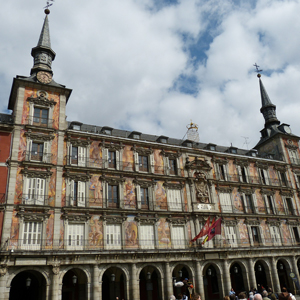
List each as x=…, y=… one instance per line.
x=201, y=187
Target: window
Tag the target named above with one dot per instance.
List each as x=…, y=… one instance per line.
x=270, y=204
x=113, y=236
x=113, y=196
x=282, y=179
x=144, y=161
x=34, y=191
x=222, y=172
x=76, y=127
x=147, y=237
x=32, y=235
x=171, y=166
x=230, y=233
x=77, y=194
x=144, y=198
x=174, y=199
x=264, y=176
x=75, y=237
x=225, y=201
x=293, y=156
x=178, y=237
x=112, y=159
x=297, y=180
x=296, y=234
x=78, y=156
x=250, y=209
x=136, y=136
x=289, y=206
x=255, y=235
x=40, y=117
x=275, y=236
x=38, y=151
x=243, y=174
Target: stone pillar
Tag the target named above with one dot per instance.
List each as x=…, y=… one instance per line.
x=275, y=279
x=96, y=288
x=169, y=282
x=134, y=283
x=252, y=278
x=4, y=294
x=199, y=287
x=226, y=278
x=55, y=292
x=295, y=267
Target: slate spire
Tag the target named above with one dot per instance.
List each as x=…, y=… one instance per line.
x=42, y=54
x=268, y=109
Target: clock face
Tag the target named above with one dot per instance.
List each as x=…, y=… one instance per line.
x=287, y=129
x=44, y=77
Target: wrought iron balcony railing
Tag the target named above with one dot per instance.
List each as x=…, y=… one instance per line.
x=40, y=122
x=35, y=156
x=34, y=199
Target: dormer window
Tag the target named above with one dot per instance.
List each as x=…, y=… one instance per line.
x=232, y=150
x=211, y=147
x=162, y=139
x=76, y=127
x=252, y=152
x=135, y=135
x=187, y=143
x=106, y=130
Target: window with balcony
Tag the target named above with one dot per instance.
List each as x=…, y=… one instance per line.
x=282, y=178
x=113, y=199
x=293, y=156
x=270, y=204
x=255, y=234
x=143, y=163
x=178, y=237
x=40, y=117
x=174, y=199
x=226, y=202
x=77, y=193
x=249, y=203
x=222, y=171
x=77, y=155
x=32, y=235
x=111, y=157
x=171, y=163
x=143, y=160
x=295, y=231
x=147, y=237
x=243, y=174
x=231, y=237
x=144, y=198
x=75, y=237
x=264, y=178
x=34, y=191
x=289, y=206
x=113, y=236
x=38, y=150
x=275, y=235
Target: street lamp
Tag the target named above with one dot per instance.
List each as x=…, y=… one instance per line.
x=113, y=277
x=180, y=273
x=28, y=282
x=259, y=269
x=235, y=270
x=280, y=266
x=209, y=272
x=148, y=276
x=74, y=279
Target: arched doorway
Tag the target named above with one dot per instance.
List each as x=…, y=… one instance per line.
x=74, y=285
x=150, y=284
x=181, y=273
x=28, y=285
x=211, y=283
x=237, y=279
x=113, y=284
x=260, y=276
x=282, y=275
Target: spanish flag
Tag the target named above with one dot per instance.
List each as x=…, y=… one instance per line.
x=213, y=230
x=202, y=232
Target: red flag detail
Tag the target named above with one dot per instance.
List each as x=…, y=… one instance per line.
x=202, y=232
x=214, y=229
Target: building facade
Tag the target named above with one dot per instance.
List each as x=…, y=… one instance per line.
x=92, y=212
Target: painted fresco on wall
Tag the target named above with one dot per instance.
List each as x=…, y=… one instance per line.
x=185, y=200
x=164, y=238
x=55, y=97
x=158, y=162
x=131, y=240
x=160, y=196
x=63, y=193
x=273, y=175
x=19, y=187
x=260, y=202
x=237, y=200
x=127, y=159
x=61, y=235
x=286, y=233
x=28, y=93
x=52, y=188
x=95, y=155
x=266, y=231
x=279, y=203
x=95, y=191
x=189, y=231
x=129, y=194
x=22, y=146
x=243, y=230
x=65, y=152
x=14, y=233
x=49, y=231
x=232, y=172
x=54, y=148
x=96, y=232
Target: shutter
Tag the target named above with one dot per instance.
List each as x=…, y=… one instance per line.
x=232, y=236
x=40, y=191
x=70, y=154
x=117, y=160
x=138, y=196
x=31, y=191
x=46, y=154
x=166, y=166
x=261, y=235
x=81, y=156
x=177, y=199
x=240, y=173
x=227, y=236
x=151, y=163
x=266, y=177
x=225, y=172
x=29, y=149
x=246, y=174
x=71, y=199
x=255, y=208
x=136, y=161
x=268, y=209
x=170, y=199
x=250, y=235
x=296, y=180
x=225, y=202
x=81, y=193
x=177, y=170
x=180, y=237
x=31, y=111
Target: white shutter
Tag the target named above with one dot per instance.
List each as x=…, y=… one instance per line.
x=81, y=156
x=152, y=163
x=166, y=166
x=178, y=239
x=254, y=202
x=296, y=180
x=75, y=236
x=46, y=155
x=147, y=236
x=177, y=199
x=117, y=160
x=31, y=192
x=170, y=199
x=261, y=235
x=81, y=193
x=266, y=177
x=225, y=172
x=136, y=162
x=31, y=111
x=250, y=235
x=293, y=156
x=32, y=233
x=268, y=209
x=72, y=193
x=105, y=158
x=29, y=149
x=240, y=173
x=232, y=236
x=138, y=196
x=70, y=154
x=113, y=236
x=40, y=191
x=225, y=202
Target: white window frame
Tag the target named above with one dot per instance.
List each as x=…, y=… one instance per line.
x=150, y=162
x=81, y=156
x=46, y=151
x=240, y=173
x=105, y=158
x=174, y=199
x=231, y=235
x=34, y=191
x=225, y=202
x=147, y=236
x=32, y=240
x=275, y=235
x=167, y=166
x=178, y=236
x=81, y=193
x=113, y=236
x=294, y=157
x=75, y=237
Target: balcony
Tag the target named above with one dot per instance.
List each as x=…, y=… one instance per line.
x=31, y=199
x=39, y=122
x=34, y=156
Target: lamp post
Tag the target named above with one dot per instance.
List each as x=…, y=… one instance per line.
x=113, y=279
x=28, y=282
x=74, y=279
x=281, y=267
x=235, y=270
x=259, y=268
x=180, y=274
x=209, y=272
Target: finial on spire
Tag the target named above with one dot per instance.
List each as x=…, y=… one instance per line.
x=257, y=70
x=47, y=10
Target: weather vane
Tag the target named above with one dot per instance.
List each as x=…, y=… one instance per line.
x=256, y=66
x=49, y=4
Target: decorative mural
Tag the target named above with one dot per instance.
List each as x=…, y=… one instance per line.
x=19, y=187
x=95, y=155
x=158, y=162
x=22, y=146
x=49, y=231
x=61, y=234
x=14, y=234
x=279, y=203
x=164, y=235
x=287, y=239
x=28, y=93
x=63, y=193
x=237, y=200
x=128, y=159
x=243, y=230
x=55, y=97
x=95, y=191
x=96, y=232
x=52, y=188
x=54, y=148
x=160, y=196
x=131, y=234
x=129, y=194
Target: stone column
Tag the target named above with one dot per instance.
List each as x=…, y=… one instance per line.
x=275, y=279
x=169, y=283
x=134, y=283
x=4, y=294
x=199, y=283
x=252, y=278
x=226, y=278
x=55, y=292
x=96, y=288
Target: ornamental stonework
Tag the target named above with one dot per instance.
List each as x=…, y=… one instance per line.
x=201, y=187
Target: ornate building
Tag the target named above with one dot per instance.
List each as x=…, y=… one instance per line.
x=94, y=212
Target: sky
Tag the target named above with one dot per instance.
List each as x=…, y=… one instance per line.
x=154, y=65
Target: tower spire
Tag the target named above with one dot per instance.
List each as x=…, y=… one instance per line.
x=268, y=109
x=42, y=54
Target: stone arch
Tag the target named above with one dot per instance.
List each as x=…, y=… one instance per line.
x=266, y=267
x=206, y=279
x=158, y=269
x=186, y=265
x=244, y=270
x=283, y=275
x=64, y=270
